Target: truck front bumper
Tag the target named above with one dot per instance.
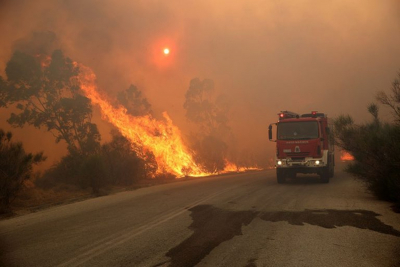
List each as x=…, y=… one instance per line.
x=304, y=163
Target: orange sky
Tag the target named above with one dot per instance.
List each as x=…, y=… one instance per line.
x=266, y=55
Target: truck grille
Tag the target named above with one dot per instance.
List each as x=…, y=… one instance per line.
x=298, y=154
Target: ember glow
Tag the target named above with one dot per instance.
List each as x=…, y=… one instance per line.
x=346, y=156
x=162, y=138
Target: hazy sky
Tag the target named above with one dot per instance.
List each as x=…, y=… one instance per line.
x=266, y=55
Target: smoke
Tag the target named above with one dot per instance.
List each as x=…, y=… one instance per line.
x=266, y=56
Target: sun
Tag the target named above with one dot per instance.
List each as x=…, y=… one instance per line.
x=166, y=51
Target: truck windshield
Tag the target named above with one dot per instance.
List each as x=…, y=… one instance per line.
x=297, y=130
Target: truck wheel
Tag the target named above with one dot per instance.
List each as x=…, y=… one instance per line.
x=280, y=176
x=324, y=176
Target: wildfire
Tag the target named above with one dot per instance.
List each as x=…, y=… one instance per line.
x=231, y=167
x=162, y=138
x=346, y=156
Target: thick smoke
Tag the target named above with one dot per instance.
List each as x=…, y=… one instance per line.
x=266, y=56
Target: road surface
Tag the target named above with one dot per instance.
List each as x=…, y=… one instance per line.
x=233, y=220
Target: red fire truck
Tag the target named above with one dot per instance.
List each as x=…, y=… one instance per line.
x=304, y=144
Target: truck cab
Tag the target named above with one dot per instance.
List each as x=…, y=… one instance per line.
x=304, y=144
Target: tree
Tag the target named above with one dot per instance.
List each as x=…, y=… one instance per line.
x=393, y=100
x=375, y=147
x=47, y=96
x=136, y=105
x=15, y=167
x=134, y=102
x=210, y=115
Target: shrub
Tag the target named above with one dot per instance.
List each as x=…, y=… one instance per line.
x=15, y=167
x=375, y=146
x=115, y=164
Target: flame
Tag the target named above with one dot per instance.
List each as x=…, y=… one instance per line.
x=232, y=167
x=162, y=138
x=346, y=156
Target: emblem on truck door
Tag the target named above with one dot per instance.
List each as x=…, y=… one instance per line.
x=297, y=149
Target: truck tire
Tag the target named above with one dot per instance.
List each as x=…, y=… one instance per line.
x=324, y=176
x=280, y=176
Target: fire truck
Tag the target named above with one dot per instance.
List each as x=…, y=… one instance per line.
x=304, y=144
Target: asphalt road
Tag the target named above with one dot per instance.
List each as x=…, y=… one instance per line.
x=233, y=220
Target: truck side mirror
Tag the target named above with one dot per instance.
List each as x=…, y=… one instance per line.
x=270, y=133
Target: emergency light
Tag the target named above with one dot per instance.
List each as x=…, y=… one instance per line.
x=287, y=115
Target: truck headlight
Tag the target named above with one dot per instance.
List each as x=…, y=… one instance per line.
x=279, y=162
x=317, y=162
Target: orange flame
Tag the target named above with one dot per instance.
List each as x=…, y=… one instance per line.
x=162, y=138
x=232, y=167
x=346, y=156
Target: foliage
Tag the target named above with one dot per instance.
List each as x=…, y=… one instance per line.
x=210, y=115
x=393, y=100
x=115, y=164
x=47, y=96
x=375, y=146
x=93, y=171
x=124, y=166
x=136, y=105
x=211, y=153
x=3, y=92
x=15, y=167
x=134, y=102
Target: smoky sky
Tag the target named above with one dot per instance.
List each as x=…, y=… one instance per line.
x=265, y=55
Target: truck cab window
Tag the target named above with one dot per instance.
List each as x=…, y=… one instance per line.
x=298, y=130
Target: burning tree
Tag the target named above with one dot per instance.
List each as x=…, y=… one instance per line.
x=146, y=134
x=46, y=96
x=125, y=165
